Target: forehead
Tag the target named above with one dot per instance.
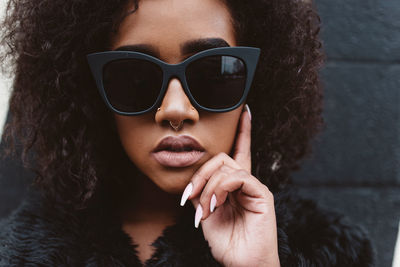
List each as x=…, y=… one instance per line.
x=167, y=24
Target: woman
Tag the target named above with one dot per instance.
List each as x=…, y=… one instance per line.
x=122, y=140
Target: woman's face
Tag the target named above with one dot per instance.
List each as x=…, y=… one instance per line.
x=167, y=26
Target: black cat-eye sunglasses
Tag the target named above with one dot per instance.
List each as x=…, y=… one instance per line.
x=215, y=80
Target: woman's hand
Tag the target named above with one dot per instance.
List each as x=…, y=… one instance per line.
x=241, y=231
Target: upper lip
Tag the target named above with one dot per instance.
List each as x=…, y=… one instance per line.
x=178, y=143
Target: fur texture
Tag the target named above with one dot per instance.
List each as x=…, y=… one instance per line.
x=43, y=233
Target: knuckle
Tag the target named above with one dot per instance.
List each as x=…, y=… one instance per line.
x=221, y=175
x=203, y=200
x=221, y=155
x=224, y=168
x=196, y=175
x=269, y=196
x=242, y=173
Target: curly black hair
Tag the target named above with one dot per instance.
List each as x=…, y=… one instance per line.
x=67, y=134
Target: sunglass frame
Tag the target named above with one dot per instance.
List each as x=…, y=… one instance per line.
x=249, y=55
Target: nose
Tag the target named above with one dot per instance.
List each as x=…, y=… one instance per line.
x=176, y=107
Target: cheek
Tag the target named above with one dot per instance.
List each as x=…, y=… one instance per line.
x=131, y=135
x=222, y=132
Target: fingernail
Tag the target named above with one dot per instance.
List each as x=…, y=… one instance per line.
x=213, y=202
x=186, y=193
x=199, y=214
x=248, y=110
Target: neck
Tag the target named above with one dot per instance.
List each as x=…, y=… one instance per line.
x=146, y=213
x=150, y=204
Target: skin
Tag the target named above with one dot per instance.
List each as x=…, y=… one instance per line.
x=151, y=24
x=248, y=238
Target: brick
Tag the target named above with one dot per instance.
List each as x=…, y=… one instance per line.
x=361, y=140
x=361, y=29
x=374, y=209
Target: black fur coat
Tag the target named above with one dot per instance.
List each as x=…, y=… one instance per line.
x=40, y=233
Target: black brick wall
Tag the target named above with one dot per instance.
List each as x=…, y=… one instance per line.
x=355, y=167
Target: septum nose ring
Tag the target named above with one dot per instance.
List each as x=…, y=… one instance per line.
x=176, y=127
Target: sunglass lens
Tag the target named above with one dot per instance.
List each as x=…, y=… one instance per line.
x=217, y=82
x=132, y=85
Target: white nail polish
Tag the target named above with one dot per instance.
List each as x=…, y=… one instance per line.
x=186, y=193
x=198, y=215
x=248, y=110
x=213, y=202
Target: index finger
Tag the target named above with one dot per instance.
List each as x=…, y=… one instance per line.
x=242, y=150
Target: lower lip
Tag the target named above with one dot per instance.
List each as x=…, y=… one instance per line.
x=177, y=159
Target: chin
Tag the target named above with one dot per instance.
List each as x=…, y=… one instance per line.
x=173, y=182
x=173, y=189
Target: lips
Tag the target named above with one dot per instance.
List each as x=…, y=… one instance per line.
x=181, y=151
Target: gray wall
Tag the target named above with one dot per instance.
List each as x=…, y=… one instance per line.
x=355, y=167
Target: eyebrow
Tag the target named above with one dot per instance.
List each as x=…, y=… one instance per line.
x=189, y=47
x=195, y=46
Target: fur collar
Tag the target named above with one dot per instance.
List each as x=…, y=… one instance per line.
x=41, y=233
